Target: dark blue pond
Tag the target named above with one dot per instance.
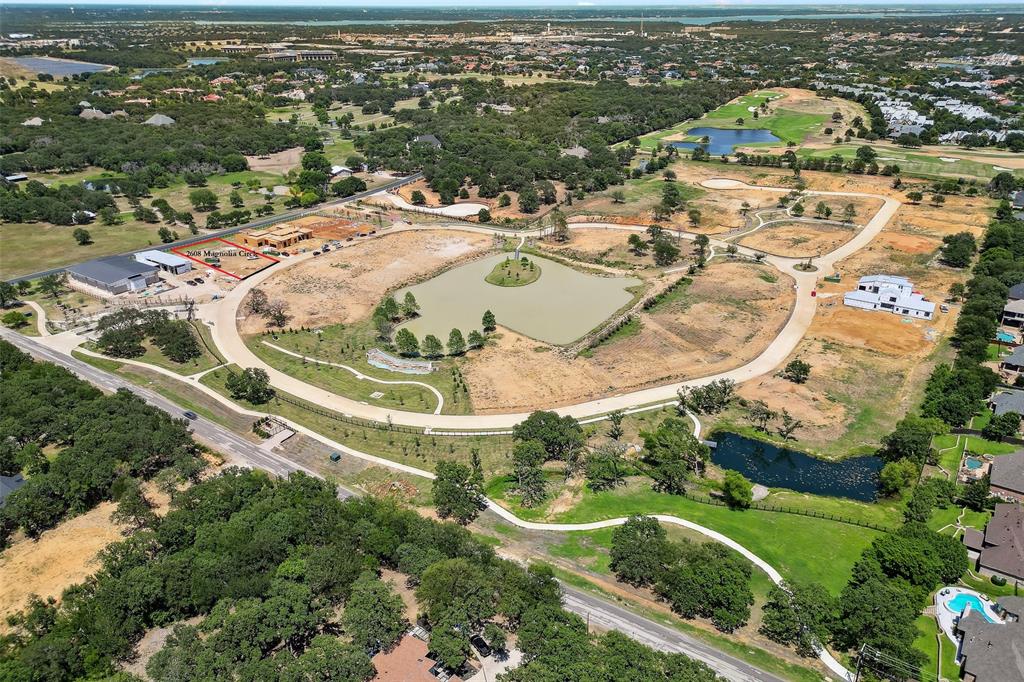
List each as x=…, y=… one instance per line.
x=723, y=140
x=775, y=467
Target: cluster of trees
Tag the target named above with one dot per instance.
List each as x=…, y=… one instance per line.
x=285, y=581
x=62, y=205
x=954, y=391
x=101, y=441
x=521, y=152
x=697, y=579
x=958, y=249
x=541, y=437
x=389, y=313
x=121, y=335
x=663, y=247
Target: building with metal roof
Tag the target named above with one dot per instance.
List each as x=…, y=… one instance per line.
x=168, y=262
x=115, y=274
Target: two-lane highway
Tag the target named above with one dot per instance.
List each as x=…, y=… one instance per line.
x=598, y=612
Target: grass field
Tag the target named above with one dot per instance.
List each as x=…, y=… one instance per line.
x=347, y=345
x=798, y=546
x=788, y=126
x=928, y=641
x=30, y=247
x=415, y=449
x=914, y=162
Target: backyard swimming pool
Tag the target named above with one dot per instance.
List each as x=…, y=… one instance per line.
x=962, y=600
x=1005, y=337
x=973, y=463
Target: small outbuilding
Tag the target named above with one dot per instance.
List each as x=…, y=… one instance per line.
x=168, y=262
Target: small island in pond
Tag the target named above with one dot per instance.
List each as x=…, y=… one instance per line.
x=514, y=273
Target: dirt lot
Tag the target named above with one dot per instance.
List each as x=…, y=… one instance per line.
x=60, y=558
x=725, y=318
x=233, y=258
x=344, y=286
x=279, y=162
x=798, y=239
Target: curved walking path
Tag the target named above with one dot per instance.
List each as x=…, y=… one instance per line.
x=457, y=210
x=222, y=315
x=360, y=375
x=70, y=341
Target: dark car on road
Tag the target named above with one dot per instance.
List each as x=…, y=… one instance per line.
x=189, y=414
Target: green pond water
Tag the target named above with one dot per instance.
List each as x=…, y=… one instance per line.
x=560, y=307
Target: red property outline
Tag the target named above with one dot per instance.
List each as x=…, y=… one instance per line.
x=177, y=250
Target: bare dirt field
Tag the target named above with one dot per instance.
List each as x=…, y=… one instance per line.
x=279, y=162
x=60, y=558
x=798, y=239
x=344, y=285
x=725, y=318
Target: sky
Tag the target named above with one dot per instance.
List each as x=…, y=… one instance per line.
x=548, y=4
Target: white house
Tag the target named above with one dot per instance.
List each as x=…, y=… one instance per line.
x=893, y=294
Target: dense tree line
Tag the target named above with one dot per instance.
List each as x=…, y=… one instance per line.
x=63, y=205
x=100, y=440
x=955, y=390
x=697, y=579
x=285, y=579
x=497, y=153
x=205, y=137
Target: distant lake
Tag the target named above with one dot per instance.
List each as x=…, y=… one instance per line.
x=57, y=67
x=205, y=61
x=724, y=140
x=776, y=467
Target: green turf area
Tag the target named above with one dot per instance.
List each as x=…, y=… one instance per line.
x=987, y=587
x=399, y=445
x=31, y=247
x=337, y=380
x=347, y=345
x=928, y=641
x=947, y=518
x=915, y=163
x=974, y=444
x=799, y=547
x=513, y=273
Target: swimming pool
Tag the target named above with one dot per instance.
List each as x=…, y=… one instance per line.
x=1005, y=337
x=973, y=463
x=961, y=601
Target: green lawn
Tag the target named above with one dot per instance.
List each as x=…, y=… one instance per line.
x=913, y=162
x=415, y=449
x=347, y=345
x=30, y=247
x=928, y=641
x=798, y=546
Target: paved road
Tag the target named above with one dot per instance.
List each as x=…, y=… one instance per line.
x=601, y=613
x=261, y=222
x=223, y=440
x=607, y=616
x=222, y=314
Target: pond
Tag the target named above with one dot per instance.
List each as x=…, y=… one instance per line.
x=724, y=140
x=205, y=61
x=57, y=67
x=775, y=467
x=560, y=307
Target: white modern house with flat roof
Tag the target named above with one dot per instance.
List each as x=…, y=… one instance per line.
x=168, y=262
x=891, y=294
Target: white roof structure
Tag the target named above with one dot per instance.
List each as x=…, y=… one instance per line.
x=158, y=120
x=161, y=258
x=885, y=280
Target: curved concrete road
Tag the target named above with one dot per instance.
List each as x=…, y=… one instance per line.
x=222, y=315
x=456, y=210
